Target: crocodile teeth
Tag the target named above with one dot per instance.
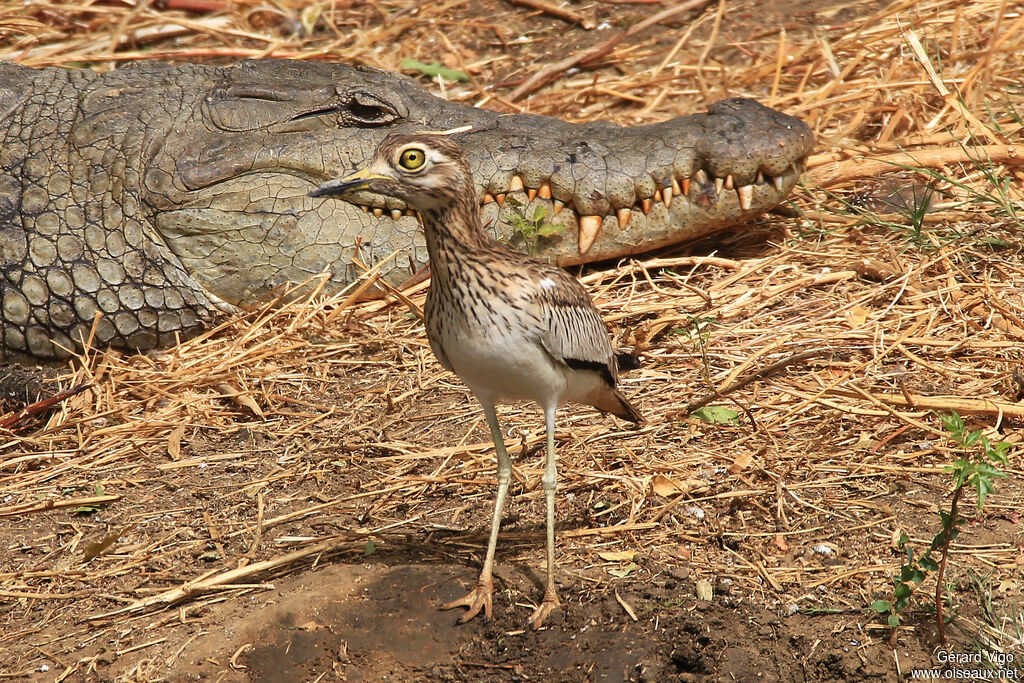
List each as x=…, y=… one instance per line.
x=760, y=178
x=623, y=216
x=645, y=204
x=531, y=193
x=777, y=181
x=557, y=207
x=515, y=184
x=409, y=212
x=719, y=184
x=378, y=212
x=657, y=195
x=701, y=177
x=746, y=195
x=500, y=198
x=686, y=186
x=544, y=191
x=728, y=182
x=675, y=186
x=667, y=194
x=589, y=227
x=396, y=214
x=488, y=198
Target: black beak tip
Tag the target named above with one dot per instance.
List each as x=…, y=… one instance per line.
x=326, y=190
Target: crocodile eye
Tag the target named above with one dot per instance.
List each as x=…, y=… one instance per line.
x=369, y=110
x=412, y=158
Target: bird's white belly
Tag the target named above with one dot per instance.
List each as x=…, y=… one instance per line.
x=503, y=365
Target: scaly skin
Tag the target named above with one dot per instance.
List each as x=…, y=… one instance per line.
x=162, y=195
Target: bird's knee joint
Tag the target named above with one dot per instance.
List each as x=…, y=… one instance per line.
x=548, y=481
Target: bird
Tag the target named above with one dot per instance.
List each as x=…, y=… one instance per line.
x=510, y=326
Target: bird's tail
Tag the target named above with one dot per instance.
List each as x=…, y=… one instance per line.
x=615, y=403
x=626, y=361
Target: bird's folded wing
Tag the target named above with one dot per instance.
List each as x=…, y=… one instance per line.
x=578, y=337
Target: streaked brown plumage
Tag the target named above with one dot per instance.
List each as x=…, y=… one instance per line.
x=509, y=326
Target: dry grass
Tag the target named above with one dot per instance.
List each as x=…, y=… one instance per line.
x=314, y=427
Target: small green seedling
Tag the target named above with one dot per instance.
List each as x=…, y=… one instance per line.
x=529, y=230
x=977, y=469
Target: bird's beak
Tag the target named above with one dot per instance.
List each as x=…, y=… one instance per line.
x=339, y=186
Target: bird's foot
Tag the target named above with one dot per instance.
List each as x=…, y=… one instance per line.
x=549, y=603
x=479, y=597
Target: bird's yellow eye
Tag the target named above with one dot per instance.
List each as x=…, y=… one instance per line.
x=412, y=159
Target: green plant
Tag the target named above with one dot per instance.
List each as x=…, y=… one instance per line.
x=902, y=211
x=91, y=508
x=530, y=230
x=717, y=415
x=698, y=331
x=977, y=468
x=905, y=209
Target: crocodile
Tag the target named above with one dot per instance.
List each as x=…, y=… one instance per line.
x=138, y=205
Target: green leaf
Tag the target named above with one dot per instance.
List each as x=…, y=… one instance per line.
x=717, y=415
x=434, y=69
x=954, y=424
x=549, y=229
x=1000, y=451
x=894, y=620
x=929, y=564
x=881, y=606
x=902, y=591
x=624, y=572
x=370, y=548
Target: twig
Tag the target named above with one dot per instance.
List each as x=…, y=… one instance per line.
x=762, y=373
x=982, y=406
x=191, y=588
x=42, y=406
x=553, y=71
x=557, y=11
x=831, y=173
x=25, y=508
x=946, y=538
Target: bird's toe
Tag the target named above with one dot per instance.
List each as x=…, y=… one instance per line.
x=545, y=608
x=477, y=599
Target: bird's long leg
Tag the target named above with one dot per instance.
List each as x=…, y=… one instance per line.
x=480, y=597
x=548, y=480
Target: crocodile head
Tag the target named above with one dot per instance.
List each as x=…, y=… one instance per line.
x=135, y=205
x=229, y=184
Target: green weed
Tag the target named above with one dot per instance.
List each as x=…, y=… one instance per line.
x=977, y=468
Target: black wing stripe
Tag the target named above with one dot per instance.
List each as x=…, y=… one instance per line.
x=600, y=368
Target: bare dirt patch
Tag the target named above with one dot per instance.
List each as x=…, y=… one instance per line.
x=159, y=527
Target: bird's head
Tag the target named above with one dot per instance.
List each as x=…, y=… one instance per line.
x=425, y=170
